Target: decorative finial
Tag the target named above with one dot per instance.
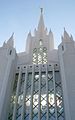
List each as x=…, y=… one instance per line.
x=41, y=10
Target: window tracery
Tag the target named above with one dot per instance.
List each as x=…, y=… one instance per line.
x=40, y=54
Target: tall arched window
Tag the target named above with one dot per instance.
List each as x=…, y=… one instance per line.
x=40, y=54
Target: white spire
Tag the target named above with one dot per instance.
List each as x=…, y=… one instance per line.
x=35, y=31
x=66, y=36
x=51, y=40
x=71, y=37
x=50, y=32
x=41, y=25
x=28, y=42
x=4, y=44
x=29, y=34
x=10, y=42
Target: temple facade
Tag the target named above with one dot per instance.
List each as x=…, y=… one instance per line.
x=39, y=83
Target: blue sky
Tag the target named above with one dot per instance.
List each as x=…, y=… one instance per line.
x=21, y=16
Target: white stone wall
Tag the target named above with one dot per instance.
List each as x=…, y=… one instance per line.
x=67, y=67
x=7, y=73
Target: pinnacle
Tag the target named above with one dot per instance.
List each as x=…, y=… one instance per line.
x=41, y=25
x=41, y=10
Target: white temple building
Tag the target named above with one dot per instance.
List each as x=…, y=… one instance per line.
x=39, y=83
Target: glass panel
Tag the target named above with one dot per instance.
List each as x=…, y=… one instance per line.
x=28, y=97
x=43, y=96
x=20, y=96
x=35, y=96
x=35, y=105
x=13, y=97
x=59, y=99
x=22, y=83
x=51, y=96
x=19, y=117
x=40, y=56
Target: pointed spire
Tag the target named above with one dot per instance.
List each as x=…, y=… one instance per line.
x=66, y=35
x=64, y=28
x=10, y=42
x=50, y=31
x=11, y=38
x=51, y=37
x=71, y=37
x=41, y=25
x=41, y=10
x=29, y=34
x=35, y=31
x=4, y=44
